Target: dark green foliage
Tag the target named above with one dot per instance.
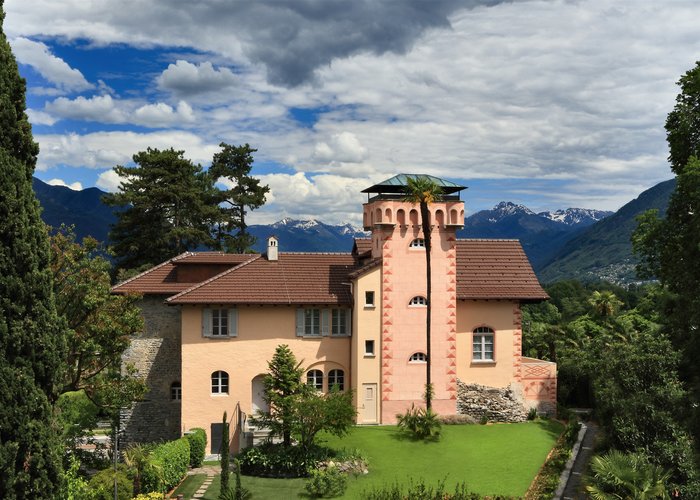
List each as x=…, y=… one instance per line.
x=32, y=338
x=315, y=411
x=198, y=445
x=225, y=455
x=277, y=460
x=326, y=483
x=78, y=415
x=239, y=492
x=167, y=465
x=420, y=423
x=683, y=123
x=233, y=163
x=167, y=207
x=102, y=485
x=421, y=491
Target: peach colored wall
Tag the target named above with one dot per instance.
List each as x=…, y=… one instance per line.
x=366, y=326
x=504, y=318
x=260, y=330
x=403, y=325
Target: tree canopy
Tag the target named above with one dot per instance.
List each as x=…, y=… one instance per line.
x=32, y=338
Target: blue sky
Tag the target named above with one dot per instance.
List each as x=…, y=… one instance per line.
x=551, y=104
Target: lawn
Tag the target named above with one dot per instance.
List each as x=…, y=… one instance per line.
x=490, y=459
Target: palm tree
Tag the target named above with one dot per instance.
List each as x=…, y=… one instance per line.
x=618, y=475
x=422, y=190
x=605, y=303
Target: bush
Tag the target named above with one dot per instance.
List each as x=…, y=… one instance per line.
x=167, y=465
x=421, y=491
x=198, y=445
x=102, y=485
x=326, y=483
x=532, y=413
x=420, y=423
x=277, y=460
x=150, y=496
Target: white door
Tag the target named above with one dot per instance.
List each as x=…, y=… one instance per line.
x=258, y=389
x=369, y=403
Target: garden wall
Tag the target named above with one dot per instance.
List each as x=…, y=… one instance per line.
x=494, y=404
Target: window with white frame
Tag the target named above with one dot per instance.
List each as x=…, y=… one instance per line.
x=219, y=322
x=369, y=347
x=176, y=391
x=482, y=344
x=219, y=382
x=314, y=378
x=369, y=299
x=417, y=243
x=418, y=301
x=418, y=357
x=336, y=377
x=340, y=322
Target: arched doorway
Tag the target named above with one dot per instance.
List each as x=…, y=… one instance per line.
x=258, y=392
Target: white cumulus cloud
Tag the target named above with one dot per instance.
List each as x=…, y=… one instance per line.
x=185, y=78
x=75, y=186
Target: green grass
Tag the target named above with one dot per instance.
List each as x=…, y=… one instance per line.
x=491, y=459
x=190, y=485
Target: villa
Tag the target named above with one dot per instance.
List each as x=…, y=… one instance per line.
x=356, y=320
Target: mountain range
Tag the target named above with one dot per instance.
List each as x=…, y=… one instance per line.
x=574, y=243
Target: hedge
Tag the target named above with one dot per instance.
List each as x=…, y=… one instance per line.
x=198, y=445
x=167, y=465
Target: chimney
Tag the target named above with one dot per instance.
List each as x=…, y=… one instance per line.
x=272, y=248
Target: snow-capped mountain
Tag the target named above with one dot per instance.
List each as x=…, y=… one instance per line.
x=576, y=216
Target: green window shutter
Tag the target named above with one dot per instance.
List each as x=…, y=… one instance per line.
x=233, y=322
x=206, y=322
x=300, y=322
x=325, y=322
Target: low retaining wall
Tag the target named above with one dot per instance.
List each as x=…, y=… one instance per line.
x=494, y=404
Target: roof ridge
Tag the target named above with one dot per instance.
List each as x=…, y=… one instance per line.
x=150, y=270
x=207, y=281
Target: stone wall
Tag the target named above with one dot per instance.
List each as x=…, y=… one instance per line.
x=496, y=405
x=156, y=355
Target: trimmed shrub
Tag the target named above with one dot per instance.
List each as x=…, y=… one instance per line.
x=167, y=465
x=102, y=484
x=277, y=460
x=198, y=445
x=328, y=483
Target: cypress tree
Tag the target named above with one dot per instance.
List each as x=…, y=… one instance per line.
x=31, y=337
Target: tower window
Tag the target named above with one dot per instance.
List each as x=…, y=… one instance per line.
x=418, y=357
x=176, y=391
x=417, y=243
x=418, y=301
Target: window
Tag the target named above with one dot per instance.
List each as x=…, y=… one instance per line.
x=417, y=243
x=482, y=344
x=418, y=301
x=315, y=379
x=176, y=391
x=312, y=322
x=336, y=377
x=369, y=347
x=219, y=382
x=219, y=323
x=340, y=322
x=418, y=357
x=369, y=299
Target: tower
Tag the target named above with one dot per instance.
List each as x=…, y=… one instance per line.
x=398, y=240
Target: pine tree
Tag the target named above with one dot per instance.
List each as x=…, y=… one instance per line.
x=234, y=164
x=167, y=207
x=32, y=341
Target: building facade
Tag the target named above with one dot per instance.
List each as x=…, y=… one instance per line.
x=356, y=320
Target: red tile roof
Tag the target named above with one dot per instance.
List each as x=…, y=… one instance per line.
x=296, y=278
x=162, y=279
x=495, y=269
x=363, y=245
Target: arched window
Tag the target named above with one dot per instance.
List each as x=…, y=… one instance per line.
x=336, y=377
x=418, y=357
x=219, y=382
x=418, y=301
x=315, y=379
x=417, y=243
x=176, y=391
x=482, y=344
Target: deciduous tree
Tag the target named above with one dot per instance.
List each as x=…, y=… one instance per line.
x=32, y=338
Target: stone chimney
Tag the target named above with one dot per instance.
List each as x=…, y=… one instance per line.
x=272, y=248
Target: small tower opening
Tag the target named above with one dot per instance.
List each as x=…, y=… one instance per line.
x=272, y=249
